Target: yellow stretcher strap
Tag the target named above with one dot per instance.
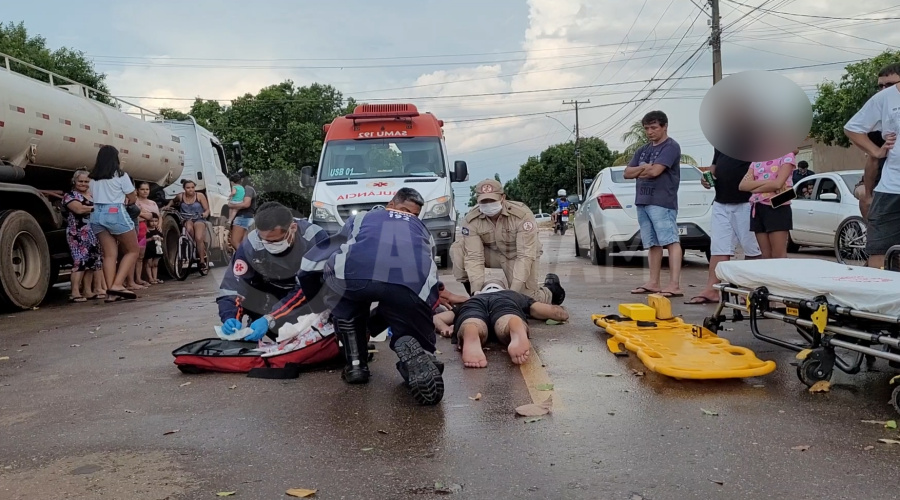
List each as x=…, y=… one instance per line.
x=681, y=350
x=820, y=318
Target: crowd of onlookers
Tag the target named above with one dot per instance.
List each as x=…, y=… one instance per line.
x=752, y=206
x=114, y=234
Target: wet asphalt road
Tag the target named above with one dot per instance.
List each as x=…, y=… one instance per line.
x=89, y=391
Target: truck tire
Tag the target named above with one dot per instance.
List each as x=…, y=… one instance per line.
x=25, y=276
x=171, y=231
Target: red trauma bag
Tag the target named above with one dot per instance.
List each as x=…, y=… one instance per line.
x=235, y=356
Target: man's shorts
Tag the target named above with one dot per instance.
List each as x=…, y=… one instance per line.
x=731, y=227
x=111, y=217
x=771, y=220
x=884, y=223
x=659, y=226
x=243, y=222
x=476, y=310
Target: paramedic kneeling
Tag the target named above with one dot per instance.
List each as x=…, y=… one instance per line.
x=261, y=282
x=385, y=256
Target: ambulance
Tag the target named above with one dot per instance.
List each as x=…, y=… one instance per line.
x=370, y=154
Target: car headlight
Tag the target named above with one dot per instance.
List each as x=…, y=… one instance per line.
x=323, y=212
x=436, y=208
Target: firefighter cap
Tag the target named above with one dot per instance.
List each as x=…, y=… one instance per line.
x=489, y=189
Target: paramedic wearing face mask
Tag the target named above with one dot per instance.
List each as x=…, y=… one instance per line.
x=261, y=282
x=502, y=234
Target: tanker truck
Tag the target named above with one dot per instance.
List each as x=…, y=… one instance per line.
x=52, y=126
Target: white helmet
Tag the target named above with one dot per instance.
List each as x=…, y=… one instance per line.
x=561, y=192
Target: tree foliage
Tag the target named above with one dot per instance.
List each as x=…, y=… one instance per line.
x=72, y=64
x=634, y=138
x=280, y=131
x=837, y=102
x=541, y=176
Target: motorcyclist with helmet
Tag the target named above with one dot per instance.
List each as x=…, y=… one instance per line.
x=562, y=210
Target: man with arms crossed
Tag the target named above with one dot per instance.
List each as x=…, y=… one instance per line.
x=657, y=168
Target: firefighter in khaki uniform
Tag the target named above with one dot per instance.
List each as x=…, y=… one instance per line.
x=502, y=234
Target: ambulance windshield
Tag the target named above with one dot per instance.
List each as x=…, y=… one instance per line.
x=378, y=158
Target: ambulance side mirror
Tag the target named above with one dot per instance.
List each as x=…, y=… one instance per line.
x=460, y=172
x=306, y=178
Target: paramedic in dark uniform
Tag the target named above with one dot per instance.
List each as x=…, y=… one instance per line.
x=384, y=256
x=262, y=280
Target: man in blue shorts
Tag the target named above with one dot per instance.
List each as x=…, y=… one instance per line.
x=656, y=166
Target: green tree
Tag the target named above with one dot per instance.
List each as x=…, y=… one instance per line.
x=837, y=102
x=280, y=130
x=540, y=177
x=72, y=64
x=473, y=198
x=634, y=138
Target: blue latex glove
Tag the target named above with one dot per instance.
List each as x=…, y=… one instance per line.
x=231, y=326
x=259, y=327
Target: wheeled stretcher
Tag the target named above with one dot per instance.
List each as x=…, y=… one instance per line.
x=835, y=308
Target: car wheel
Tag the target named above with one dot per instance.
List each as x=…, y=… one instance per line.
x=792, y=247
x=577, y=248
x=598, y=256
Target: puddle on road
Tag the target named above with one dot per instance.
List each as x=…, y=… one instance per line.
x=135, y=476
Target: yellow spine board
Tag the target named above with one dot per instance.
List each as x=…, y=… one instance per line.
x=681, y=350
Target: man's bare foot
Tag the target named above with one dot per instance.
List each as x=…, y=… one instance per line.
x=472, y=354
x=519, y=347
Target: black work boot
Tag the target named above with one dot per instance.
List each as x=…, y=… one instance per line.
x=558, y=295
x=423, y=375
x=405, y=373
x=355, y=344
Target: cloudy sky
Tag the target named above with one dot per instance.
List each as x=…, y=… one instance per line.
x=476, y=64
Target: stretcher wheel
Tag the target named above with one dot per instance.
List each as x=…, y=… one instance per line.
x=711, y=324
x=895, y=399
x=810, y=371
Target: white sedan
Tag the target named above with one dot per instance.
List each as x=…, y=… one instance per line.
x=606, y=222
x=826, y=214
x=542, y=217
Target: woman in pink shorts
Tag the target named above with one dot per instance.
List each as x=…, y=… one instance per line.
x=772, y=225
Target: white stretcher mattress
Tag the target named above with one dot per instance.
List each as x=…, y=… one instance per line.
x=861, y=288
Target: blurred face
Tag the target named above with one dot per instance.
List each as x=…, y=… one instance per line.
x=143, y=191
x=153, y=223
x=82, y=183
x=887, y=81
x=407, y=206
x=655, y=132
x=190, y=188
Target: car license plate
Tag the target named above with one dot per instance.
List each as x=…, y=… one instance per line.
x=565, y=218
x=682, y=231
x=793, y=312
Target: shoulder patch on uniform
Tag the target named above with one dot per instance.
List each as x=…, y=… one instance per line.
x=240, y=267
x=465, y=231
x=528, y=226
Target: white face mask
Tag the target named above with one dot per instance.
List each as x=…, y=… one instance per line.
x=490, y=209
x=278, y=247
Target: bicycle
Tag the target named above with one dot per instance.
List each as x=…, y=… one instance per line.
x=187, y=257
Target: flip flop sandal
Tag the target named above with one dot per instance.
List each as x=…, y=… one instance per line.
x=699, y=300
x=670, y=295
x=99, y=296
x=125, y=294
x=77, y=299
x=643, y=291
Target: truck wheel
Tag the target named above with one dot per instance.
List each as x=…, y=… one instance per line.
x=171, y=231
x=25, y=268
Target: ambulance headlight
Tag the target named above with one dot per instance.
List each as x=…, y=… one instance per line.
x=323, y=212
x=436, y=208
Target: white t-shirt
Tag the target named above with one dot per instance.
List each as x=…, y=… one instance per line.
x=882, y=112
x=112, y=190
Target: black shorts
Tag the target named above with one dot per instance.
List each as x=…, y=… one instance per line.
x=884, y=223
x=487, y=311
x=769, y=220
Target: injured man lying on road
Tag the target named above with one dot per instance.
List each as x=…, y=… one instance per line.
x=494, y=314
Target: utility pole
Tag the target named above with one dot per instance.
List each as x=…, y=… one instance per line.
x=715, y=41
x=578, y=170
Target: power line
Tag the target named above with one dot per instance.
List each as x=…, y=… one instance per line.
x=772, y=11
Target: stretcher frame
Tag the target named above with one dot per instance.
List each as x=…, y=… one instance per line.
x=822, y=326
